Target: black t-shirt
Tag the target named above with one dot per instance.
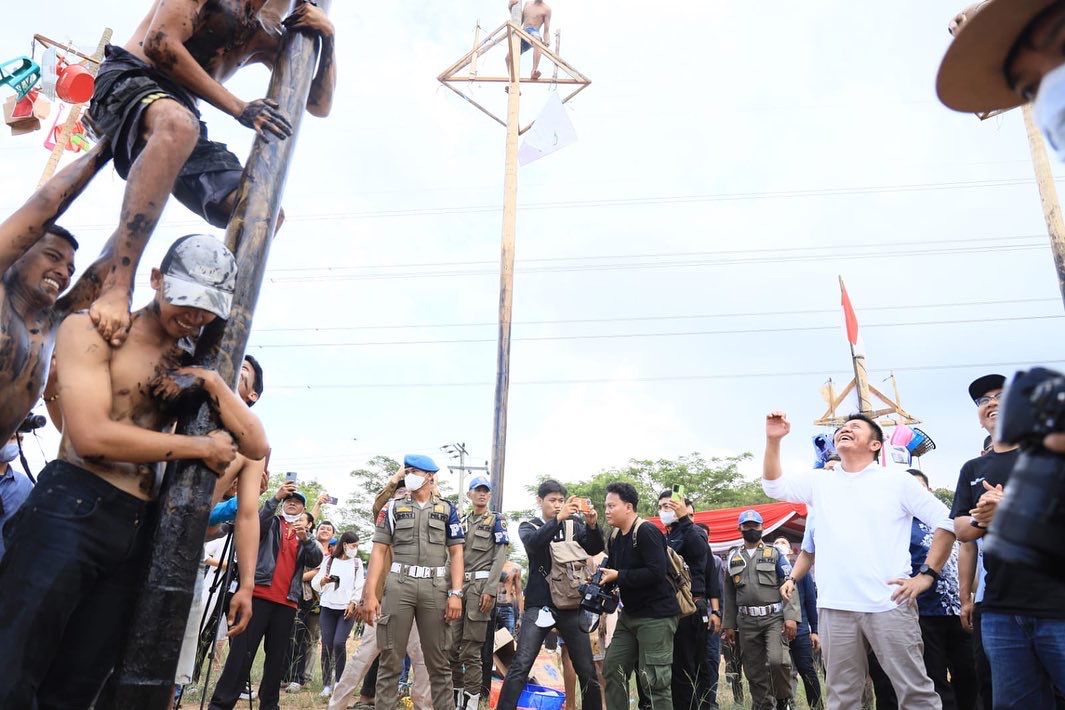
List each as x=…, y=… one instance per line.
x=1008, y=588
x=646, y=592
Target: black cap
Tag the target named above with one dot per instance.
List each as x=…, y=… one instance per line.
x=982, y=385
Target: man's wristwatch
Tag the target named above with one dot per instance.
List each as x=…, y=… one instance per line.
x=925, y=569
x=455, y=593
x=716, y=612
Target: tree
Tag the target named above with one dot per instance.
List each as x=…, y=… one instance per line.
x=946, y=495
x=709, y=483
x=356, y=514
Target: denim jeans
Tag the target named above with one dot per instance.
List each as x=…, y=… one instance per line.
x=713, y=666
x=529, y=643
x=76, y=553
x=1027, y=657
x=505, y=617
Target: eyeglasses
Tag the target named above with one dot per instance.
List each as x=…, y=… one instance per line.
x=988, y=399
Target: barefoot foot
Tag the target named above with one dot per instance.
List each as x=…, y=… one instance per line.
x=110, y=315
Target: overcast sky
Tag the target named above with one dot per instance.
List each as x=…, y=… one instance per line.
x=676, y=274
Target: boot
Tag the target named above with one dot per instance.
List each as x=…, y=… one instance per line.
x=783, y=703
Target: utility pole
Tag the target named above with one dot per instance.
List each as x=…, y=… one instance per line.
x=513, y=35
x=144, y=676
x=459, y=451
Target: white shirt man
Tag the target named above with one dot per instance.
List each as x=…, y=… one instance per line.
x=865, y=592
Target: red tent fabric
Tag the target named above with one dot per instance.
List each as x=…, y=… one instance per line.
x=780, y=518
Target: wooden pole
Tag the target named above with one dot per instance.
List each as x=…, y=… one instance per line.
x=861, y=379
x=506, y=274
x=67, y=129
x=1048, y=195
x=145, y=674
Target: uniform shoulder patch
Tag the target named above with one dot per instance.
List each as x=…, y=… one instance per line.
x=767, y=553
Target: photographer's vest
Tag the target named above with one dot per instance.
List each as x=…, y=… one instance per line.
x=479, y=550
x=420, y=534
x=755, y=581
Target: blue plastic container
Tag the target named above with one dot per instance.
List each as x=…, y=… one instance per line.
x=537, y=697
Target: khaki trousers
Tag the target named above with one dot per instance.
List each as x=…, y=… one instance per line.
x=351, y=680
x=766, y=661
x=407, y=602
x=895, y=638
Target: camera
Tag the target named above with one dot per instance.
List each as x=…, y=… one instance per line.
x=31, y=423
x=596, y=599
x=1030, y=521
x=334, y=579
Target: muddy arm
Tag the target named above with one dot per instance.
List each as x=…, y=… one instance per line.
x=164, y=44
x=29, y=223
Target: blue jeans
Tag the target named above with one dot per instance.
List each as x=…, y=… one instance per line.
x=1027, y=657
x=76, y=555
x=713, y=665
x=505, y=617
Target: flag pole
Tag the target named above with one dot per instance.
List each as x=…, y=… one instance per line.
x=861, y=374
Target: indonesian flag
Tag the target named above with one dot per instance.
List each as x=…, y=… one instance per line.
x=850, y=321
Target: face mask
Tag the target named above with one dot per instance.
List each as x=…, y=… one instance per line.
x=9, y=452
x=351, y=550
x=752, y=535
x=1049, y=110
x=291, y=519
x=668, y=517
x=784, y=550
x=413, y=482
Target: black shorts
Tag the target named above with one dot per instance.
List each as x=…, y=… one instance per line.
x=125, y=88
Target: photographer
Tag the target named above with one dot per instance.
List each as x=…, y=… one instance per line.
x=1022, y=615
x=541, y=615
x=690, y=679
x=339, y=582
x=648, y=620
x=15, y=486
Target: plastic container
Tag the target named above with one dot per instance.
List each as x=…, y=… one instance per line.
x=537, y=697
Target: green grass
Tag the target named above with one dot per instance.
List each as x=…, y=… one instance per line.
x=308, y=698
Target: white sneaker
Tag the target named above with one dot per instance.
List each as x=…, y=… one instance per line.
x=293, y=687
x=326, y=692
x=249, y=696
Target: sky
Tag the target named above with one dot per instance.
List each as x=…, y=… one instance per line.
x=677, y=266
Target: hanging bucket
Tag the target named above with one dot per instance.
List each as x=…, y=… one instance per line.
x=21, y=74
x=921, y=444
x=74, y=83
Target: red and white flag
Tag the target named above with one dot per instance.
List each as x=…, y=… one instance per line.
x=850, y=321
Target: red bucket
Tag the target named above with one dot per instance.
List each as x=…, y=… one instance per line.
x=74, y=83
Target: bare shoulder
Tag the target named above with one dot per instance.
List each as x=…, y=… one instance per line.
x=77, y=329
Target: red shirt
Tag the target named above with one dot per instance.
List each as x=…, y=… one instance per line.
x=277, y=591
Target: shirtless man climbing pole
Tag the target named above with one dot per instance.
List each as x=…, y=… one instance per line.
x=536, y=21
x=78, y=546
x=37, y=263
x=145, y=103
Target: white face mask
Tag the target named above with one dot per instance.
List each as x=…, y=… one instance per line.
x=668, y=517
x=1049, y=110
x=784, y=550
x=9, y=452
x=291, y=519
x=413, y=482
x=351, y=550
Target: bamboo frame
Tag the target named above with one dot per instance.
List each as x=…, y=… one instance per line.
x=465, y=69
x=67, y=48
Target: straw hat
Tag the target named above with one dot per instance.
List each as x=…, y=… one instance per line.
x=972, y=76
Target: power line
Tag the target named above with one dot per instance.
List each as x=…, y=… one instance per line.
x=626, y=319
x=665, y=378
x=626, y=201
x=659, y=255
x=614, y=336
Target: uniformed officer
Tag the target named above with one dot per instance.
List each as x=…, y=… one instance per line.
x=424, y=582
x=753, y=604
x=484, y=553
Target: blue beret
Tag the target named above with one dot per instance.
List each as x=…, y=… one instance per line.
x=422, y=463
x=750, y=516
